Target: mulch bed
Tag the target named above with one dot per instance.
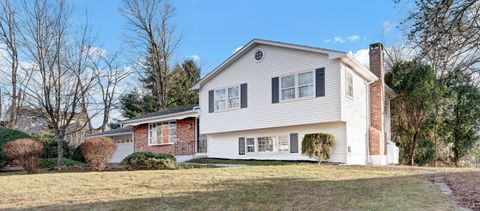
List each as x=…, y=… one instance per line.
x=466, y=188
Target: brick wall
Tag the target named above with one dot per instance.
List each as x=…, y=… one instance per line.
x=377, y=142
x=185, y=139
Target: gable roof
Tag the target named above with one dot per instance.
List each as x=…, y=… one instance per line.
x=332, y=54
x=162, y=114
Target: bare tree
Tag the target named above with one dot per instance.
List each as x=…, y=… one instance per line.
x=61, y=74
x=154, y=40
x=9, y=38
x=108, y=76
x=448, y=34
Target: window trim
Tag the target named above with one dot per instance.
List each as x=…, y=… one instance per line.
x=347, y=85
x=226, y=98
x=297, y=86
x=150, y=134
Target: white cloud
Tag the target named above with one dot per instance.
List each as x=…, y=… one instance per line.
x=353, y=38
x=194, y=57
x=338, y=39
x=95, y=52
x=236, y=49
x=386, y=27
x=362, y=57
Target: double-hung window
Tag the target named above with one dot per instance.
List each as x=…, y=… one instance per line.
x=250, y=145
x=348, y=84
x=297, y=85
x=162, y=133
x=228, y=98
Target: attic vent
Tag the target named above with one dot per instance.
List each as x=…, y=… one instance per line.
x=258, y=55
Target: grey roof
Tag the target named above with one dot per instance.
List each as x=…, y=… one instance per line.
x=163, y=113
x=122, y=130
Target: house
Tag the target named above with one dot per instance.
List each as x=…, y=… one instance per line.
x=172, y=131
x=32, y=121
x=261, y=101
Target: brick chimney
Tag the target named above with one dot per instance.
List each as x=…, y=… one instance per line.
x=377, y=142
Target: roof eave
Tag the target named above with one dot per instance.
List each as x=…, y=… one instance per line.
x=174, y=116
x=359, y=68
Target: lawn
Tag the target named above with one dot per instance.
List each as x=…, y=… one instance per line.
x=277, y=187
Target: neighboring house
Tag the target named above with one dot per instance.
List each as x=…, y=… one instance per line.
x=32, y=121
x=261, y=101
x=172, y=131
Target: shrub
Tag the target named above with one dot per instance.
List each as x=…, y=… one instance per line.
x=26, y=152
x=7, y=135
x=51, y=163
x=97, y=152
x=160, y=164
x=138, y=160
x=318, y=145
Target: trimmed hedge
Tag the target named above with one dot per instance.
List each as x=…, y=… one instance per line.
x=7, y=135
x=318, y=145
x=26, y=152
x=146, y=160
x=97, y=151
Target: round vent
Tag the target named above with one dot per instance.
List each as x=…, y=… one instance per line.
x=259, y=55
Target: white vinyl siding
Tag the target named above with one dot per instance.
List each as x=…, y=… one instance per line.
x=261, y=113
x=354, y=113
x=225, y=145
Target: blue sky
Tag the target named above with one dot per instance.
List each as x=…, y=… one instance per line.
x=213, y=29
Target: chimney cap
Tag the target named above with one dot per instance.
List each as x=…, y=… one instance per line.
x=376, y=45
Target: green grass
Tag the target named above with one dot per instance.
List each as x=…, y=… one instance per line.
x=275, y=187
x=246, y=162
x=50, y=163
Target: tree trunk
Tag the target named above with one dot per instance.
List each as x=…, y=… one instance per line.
x=60, y=140
x=412, y=149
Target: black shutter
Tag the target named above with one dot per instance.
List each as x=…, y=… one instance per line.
x=320, y=82
x=293, y=142
x=243, y=96
x=210, y=101
x=241, y=146
x=275, y=89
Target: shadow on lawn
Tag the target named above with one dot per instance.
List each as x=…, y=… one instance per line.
x=383, y=193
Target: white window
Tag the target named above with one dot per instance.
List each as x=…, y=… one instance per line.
x=162, y=133
x=348, y=84
x=283, y=144
x=228, y=98
x=305, y=84
x=297, y=86
x=250, y=145
x=266, y=144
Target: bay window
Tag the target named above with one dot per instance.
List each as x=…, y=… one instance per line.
x=162, y=133
x=228, y=98
x=297, y=86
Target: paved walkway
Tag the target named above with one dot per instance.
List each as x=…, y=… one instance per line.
x=440, y=182
x=218, y=164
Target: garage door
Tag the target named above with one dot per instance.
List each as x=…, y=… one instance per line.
x=124, y=148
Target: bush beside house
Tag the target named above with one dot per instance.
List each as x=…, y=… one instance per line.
x=26, y=152
x=7, y=135
x=98, y=151
x=149, y=160
x=318, y=145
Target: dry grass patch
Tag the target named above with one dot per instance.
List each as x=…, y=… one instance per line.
x=288, y=187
